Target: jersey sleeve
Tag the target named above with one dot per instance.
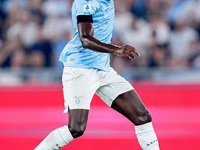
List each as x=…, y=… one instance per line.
x=86, y=7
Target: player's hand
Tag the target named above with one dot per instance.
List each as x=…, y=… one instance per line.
x=127, y=51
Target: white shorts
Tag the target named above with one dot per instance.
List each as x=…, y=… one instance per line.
x=80, y=85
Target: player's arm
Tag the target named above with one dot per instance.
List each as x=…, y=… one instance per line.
x=86, y=32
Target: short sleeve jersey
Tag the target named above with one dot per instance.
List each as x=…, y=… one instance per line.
x=74, y=54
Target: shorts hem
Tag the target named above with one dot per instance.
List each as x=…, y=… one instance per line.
x=67, y=109
x=114, y=97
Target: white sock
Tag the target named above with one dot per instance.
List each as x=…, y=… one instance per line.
x=146, y=136
x=56, y=139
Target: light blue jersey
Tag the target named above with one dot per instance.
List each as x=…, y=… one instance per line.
x=74, y=55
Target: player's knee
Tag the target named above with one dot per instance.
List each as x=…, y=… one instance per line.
x=77, y=131
x=144, y=118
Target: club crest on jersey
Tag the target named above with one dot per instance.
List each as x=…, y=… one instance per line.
x=87, y=9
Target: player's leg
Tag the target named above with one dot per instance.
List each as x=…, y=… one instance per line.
x=130, y=105
x=77, y=121
x=119, y=94
x=79, y=87
x=60, y=137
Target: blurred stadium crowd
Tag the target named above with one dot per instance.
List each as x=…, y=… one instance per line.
x=165, y=32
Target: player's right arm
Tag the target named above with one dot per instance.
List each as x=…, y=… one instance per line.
x=86, y=32
x=84, y=10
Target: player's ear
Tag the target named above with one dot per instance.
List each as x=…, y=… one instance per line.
x=84, y=18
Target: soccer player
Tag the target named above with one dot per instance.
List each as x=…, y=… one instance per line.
x=87, y=72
